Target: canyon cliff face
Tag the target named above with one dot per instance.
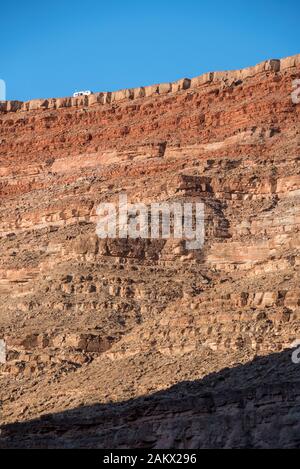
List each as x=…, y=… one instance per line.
x=142, y=343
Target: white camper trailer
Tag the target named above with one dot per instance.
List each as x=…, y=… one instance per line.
x=82, y=93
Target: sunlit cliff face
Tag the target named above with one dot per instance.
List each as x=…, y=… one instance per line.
x=90, y=321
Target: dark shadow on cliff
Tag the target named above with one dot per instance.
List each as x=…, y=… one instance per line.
x=256, y=405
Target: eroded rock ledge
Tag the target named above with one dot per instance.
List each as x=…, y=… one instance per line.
x=227, y=78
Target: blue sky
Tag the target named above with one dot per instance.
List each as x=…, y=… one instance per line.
x=50, y=49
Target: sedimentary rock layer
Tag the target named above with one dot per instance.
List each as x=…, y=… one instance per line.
x=91, y=322
x=223, y=78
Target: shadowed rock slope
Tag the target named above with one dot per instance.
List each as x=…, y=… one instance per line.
x=255, y=405
x=92, y=322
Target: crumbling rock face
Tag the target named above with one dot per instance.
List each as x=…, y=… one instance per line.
x=90, y=322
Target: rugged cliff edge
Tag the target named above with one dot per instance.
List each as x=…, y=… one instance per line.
x=92, y=323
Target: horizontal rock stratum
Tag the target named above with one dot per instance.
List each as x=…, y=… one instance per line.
x=141, y=343
x=226, y=78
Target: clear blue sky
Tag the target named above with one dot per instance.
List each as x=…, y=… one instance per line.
x=53, y=48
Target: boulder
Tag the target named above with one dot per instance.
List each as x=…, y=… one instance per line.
x=107, y=97
x=63, y=102
x=272, y=65
x=95, y=98
x=122, y=95
x=165, y=88
x=290, y=62
x=10, y=106
x=139, y=92
x=151, y=90
x=179, y=85
x=202, y=80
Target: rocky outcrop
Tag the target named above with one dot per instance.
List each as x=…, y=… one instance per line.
x=92, y=322
x=225, y=78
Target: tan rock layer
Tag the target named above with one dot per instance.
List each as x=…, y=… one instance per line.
x=228, y=77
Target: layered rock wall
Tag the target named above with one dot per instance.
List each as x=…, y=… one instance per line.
x=90, y=321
